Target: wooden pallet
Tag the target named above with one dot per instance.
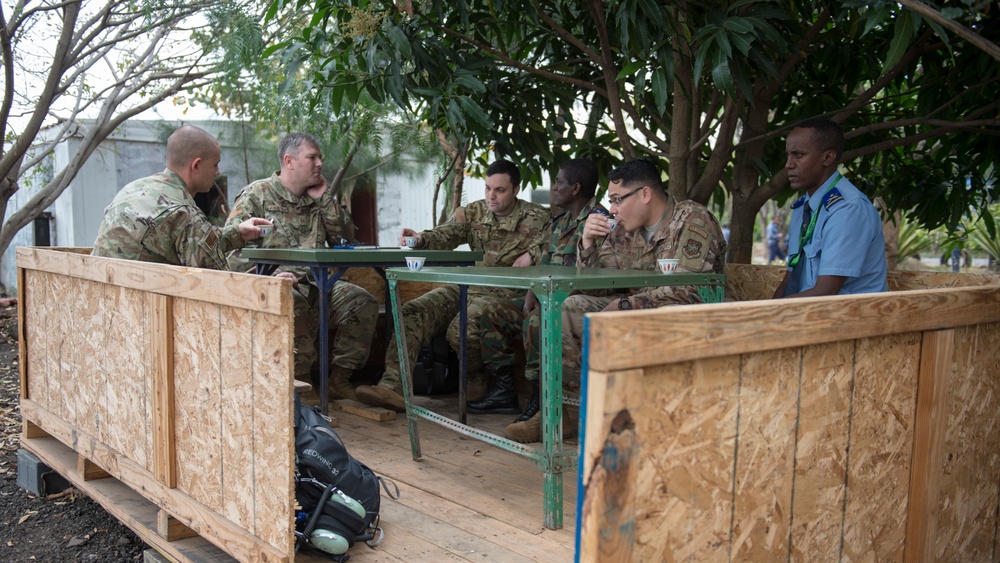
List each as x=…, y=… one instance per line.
x=465, y=501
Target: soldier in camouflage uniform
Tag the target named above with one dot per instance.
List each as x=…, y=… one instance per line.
x=509, y=232
x=651, y=225
x=307, y=215
x=156, y=219
x=573, y=191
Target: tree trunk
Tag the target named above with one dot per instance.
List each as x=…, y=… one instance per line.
x=741, y=224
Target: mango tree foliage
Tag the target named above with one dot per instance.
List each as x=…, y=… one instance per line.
x=80, y=68
x=709, y=88
x=356, y=140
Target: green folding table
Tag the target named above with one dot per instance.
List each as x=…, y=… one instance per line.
x=552, y=285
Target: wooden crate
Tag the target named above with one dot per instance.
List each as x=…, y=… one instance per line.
x=176, y=382
x=860, y=428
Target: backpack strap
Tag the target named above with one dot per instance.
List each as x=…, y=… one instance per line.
x=382, y=481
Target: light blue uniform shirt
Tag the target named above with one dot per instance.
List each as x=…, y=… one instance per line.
x=847, y=240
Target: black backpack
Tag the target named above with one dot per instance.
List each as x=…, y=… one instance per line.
x=339, y=496
x=436, y=369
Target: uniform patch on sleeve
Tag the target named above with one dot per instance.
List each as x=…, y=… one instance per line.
x=692, y=248
x=698, y=231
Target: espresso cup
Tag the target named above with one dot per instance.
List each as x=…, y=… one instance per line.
x=415, y=263
x=667, y=265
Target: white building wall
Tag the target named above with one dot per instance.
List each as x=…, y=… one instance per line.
x=135, y=150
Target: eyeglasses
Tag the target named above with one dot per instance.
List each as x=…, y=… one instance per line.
x=617, y=201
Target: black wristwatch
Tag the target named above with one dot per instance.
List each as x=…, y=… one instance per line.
x=624, y=304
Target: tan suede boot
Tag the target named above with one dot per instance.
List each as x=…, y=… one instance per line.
x=477, y=388
x=340, y=384
x=379, y=396
x=531, y=430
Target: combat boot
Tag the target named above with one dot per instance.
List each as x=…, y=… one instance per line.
x=531, y=408
x=381, y=396
x=531, y=430
x=340, y=384
x=501, y=398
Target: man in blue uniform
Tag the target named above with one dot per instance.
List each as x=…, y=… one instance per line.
x=836, y=245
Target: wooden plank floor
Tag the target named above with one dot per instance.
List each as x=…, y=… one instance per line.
x=464, y=500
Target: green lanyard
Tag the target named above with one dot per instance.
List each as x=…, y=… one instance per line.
x=812, y=224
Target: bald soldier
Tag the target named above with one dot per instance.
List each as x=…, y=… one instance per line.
x=156, y=219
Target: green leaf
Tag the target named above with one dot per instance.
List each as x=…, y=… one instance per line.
x=738, y=25
x=875, y=17
x=902, y=35
x=952, y=12
x=473, y=110
x=629, y=69
x=399, y=41
x=722, y=76
x=660, y=90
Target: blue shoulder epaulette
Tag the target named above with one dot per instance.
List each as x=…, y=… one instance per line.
x=800, y=201
x=831, y=197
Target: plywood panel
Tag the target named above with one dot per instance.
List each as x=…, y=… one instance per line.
x=821, y=450
x=197, y=394
x=258, y=293
x=92, y=351
x=967, y=508
x=91, y=383
x=35, y=335
x=768, y=411
x=124, y=419
x=60, y=326
x=273, y=451
x=687, y=430
x=881, y=446
x=747, y=282
x=902, y=280
x=698, y=331
x=237, y=401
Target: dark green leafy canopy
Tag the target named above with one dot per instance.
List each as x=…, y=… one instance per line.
x=709, y=88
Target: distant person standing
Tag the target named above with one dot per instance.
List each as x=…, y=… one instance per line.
x=774, y=239
x=836, y=244
x=156, y=219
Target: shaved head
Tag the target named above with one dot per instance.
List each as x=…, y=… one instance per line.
x=188, y=143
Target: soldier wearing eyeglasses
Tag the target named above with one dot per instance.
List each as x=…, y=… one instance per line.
x=651, y=225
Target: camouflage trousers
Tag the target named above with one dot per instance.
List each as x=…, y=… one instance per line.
x=351, y=309
x=432, y=313
x=500, y=326
x=573, y=311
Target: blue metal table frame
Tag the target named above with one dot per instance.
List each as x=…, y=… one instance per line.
x=321, y=261
x=552, y=285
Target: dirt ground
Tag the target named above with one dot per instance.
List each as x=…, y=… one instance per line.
x=66, y=526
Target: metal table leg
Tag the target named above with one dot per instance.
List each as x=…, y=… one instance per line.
x=552, y=402
x=404, y=368
x=324, y=282
x=463, y=325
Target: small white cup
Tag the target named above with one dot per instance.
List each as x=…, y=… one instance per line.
x=415, y=263
x=266, y=230
x=612, y=223
x=667, y=265
x=410, y=242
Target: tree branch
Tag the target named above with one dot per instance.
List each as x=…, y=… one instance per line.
x=972, y=37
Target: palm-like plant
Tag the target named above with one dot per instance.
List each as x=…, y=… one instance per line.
x=912, y=239
x=980, y=239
